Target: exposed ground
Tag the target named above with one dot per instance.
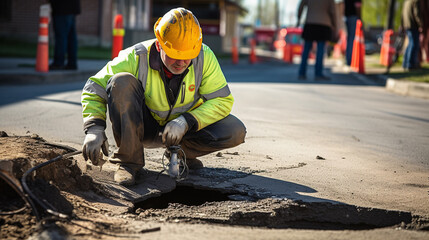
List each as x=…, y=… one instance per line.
x=96, y=208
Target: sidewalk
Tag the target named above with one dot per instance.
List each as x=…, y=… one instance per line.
x=401, y=87
x=18, y=71
x=373, y=70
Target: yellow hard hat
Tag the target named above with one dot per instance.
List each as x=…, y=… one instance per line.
x=179, y=34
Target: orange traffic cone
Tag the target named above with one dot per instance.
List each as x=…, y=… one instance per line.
x=358, y=55
x=234, y=51
x=118, y=36
x=252, y=57
x=337, y=51
x=343, y=40
x=42, y=55
x=338, y=46
x=387, y=50
x=287, y=53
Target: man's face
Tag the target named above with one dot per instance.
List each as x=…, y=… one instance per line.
x=175, y=66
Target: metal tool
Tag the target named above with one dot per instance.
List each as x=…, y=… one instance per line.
x=176, y=166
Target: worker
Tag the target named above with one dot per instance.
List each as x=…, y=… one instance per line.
x=166, y=91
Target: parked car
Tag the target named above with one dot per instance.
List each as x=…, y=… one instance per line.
x=289, y=42
x=264, y=36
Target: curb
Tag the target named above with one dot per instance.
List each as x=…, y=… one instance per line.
x=20, y=71
x=407, y=88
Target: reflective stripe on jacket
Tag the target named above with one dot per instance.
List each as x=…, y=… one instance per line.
x=204, y=92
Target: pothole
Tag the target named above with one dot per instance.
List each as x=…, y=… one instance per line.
x=213, y=206
x=184, y=195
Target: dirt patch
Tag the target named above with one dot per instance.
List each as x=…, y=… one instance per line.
x=54, y=184
x=66, y=188
x=20, y=153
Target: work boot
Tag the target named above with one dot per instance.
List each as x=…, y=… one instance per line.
x=125, y=176
x=194, y=163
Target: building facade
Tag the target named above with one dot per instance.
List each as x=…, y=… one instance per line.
x=218, y=19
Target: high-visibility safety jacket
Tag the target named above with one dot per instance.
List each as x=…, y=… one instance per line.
x=204, y=92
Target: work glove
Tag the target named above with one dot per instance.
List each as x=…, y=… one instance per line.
x=174, y=131
x=95, y=141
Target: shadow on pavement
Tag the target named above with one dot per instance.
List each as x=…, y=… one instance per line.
x=254, y=186
x=19, y=93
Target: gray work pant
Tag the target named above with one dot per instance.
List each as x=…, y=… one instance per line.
x=134, y=127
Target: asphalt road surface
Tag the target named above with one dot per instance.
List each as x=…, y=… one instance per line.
x=351, y=141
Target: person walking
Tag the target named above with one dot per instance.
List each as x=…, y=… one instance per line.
x=161, y=92
x=411, y=23
x=64, y=23
x=320, y=26
x=352, y=12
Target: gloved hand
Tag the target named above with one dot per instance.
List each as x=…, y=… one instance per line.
x=95, y=141
x=174, y=131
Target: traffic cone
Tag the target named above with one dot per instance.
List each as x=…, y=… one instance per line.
x=387, y=50
x=358, y=55
x=337, y=51
x=252, y=57
x=287, y=53
x=343, y=39
x=383, y=49
x=118, y=36
x=234, y=51
x=338, y=46
x=42, y=55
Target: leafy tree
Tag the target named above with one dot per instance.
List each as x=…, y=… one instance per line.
x=267, y=12
x=375, y=13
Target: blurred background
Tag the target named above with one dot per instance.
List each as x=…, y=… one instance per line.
x=221, y=21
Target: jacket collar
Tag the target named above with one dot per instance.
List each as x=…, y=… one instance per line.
x=155, y=61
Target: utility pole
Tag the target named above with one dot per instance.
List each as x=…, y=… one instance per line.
x=391, y=14
x=277, y=14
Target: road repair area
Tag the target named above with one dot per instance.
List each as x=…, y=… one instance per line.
x=72, y=199
x=341, y=159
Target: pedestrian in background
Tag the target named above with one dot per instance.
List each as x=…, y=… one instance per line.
x=352, y=12
x=320, y=26
x=64, y=23
x=412, y=24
